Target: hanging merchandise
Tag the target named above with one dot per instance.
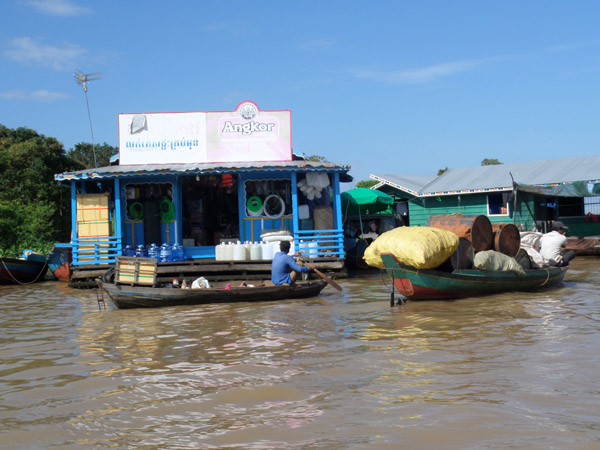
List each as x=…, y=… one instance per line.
x=274, y=206
x=255, y=206
x=167, y=210
x=136, y=211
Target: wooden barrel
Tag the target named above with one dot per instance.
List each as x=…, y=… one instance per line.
x=507, y=238
x=476, y=229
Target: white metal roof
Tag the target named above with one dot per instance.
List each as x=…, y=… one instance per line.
x=498, y=177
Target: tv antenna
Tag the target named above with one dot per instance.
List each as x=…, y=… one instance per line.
x=82, y=79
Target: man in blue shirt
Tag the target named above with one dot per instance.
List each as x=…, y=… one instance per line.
x=284, y=269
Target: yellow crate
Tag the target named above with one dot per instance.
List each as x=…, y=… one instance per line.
x=93, y=229
x=134, y=270
x=93, y=207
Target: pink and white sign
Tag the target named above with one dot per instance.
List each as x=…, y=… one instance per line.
x=244, y=135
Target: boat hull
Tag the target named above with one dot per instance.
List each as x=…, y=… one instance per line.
x=59, y=263
x=421, y=284
x=124, y=296
x=22, y=271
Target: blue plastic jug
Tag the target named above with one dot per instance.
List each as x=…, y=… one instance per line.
x=165, y=254
x=177, y=252
x=153, y=251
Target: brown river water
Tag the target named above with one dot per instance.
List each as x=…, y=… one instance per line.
x=339, y=371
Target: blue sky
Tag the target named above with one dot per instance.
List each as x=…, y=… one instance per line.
x=388, y=87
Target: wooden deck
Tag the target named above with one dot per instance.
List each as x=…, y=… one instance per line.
x=211, y=269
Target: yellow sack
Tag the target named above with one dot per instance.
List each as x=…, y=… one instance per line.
x=419, y=247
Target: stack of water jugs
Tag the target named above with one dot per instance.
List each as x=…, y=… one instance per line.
x=164, y=253
x=248, y=251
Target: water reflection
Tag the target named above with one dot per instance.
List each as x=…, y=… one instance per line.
x=343, y=370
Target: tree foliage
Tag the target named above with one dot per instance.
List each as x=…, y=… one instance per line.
x=366, y=183
x=34, y=210
x=83, y=154
x=441, y=171
x=490, y=162
x=316, y=158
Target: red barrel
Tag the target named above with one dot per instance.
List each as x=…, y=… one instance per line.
x=507, y=238
x=476, y=229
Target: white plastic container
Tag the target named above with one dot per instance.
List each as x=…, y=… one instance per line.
x=228, y=252
x=220, y=252
x=269, y=250
x=255, y=251
x=239, y=252
x=303, y=212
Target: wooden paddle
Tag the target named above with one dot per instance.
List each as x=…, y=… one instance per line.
x=325, y=277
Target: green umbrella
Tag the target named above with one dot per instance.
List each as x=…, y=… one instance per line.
x=361, y=201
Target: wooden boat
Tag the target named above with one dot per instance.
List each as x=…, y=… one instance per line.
x=584, y=246
x=59, y=262
x=28, y=268
x=127, y=296
x=421, y=284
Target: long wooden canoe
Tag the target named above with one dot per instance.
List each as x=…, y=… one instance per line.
x=125, y=296
x=422, y=284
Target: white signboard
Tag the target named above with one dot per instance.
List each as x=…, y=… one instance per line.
x=243, y=135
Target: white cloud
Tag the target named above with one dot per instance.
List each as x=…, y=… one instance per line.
x=58, y=7
x=28, y=52
x=36, y=96
x=421, y=75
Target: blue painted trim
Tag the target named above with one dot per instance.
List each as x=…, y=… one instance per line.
x=73, y=210
x=295, y=220
x=118, y=216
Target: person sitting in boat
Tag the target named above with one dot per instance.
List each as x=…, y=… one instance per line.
x=552, y=244
x=372, y=234
x=284, y=269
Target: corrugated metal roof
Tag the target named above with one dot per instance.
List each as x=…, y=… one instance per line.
x=201, y=169
x=408, y=183
x=497, y=177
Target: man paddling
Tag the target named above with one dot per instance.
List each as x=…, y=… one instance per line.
x=284, y=268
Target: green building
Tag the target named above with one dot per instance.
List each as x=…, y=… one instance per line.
x=531, y=195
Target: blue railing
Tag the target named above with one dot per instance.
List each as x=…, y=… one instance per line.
x=320, y=243
x=96, y=250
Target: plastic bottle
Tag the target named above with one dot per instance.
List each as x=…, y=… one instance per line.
x=177, y=252
x=153, y=251
x=140, y=251
x=239, y=252
x=228, y=253
x=255, y=251
x=219, y=252
x=165, y=253
x=128, y=251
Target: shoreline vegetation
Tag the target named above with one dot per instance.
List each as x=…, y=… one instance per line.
x=35, y=212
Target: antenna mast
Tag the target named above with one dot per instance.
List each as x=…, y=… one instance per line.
x=82, y=79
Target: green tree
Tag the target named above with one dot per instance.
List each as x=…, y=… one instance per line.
x=83, y=154
x=366, y=183
x=316, y=158
x=490, y=162
x=441, y=171
x=35, y=211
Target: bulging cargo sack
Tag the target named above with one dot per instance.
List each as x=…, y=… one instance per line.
x=419, y=247
x=493, y=260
